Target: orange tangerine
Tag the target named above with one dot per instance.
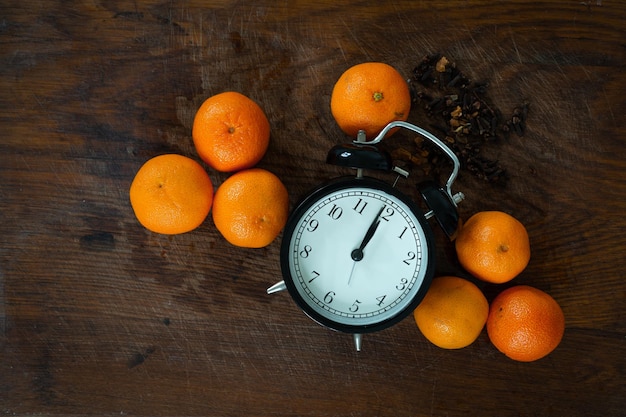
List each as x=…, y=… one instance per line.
x=230, y=132
x=251, y=208
x=493, y=246
x=171, y=194
x=453, y=312
x=525, y=323
x=369, y=96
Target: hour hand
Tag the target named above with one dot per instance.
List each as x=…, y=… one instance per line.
x=357, y=254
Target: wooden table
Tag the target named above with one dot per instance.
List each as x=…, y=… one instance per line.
x=99, y=316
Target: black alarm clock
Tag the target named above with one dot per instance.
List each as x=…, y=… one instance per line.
x=357, y=255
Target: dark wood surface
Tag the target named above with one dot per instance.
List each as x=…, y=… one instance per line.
x=99, y=316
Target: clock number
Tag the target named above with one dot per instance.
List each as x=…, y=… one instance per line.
x=403, y=232
x=410, y=256
x=355, y=307
x=315, y=275
x=306, y=250
x=402, y=285
x=360, y=206
x=313, y=225
x=329, y=297
x=389, y=211
x=335, y=212
x=381, y=299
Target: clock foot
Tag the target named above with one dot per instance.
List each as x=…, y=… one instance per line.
x=278, y=287
x=358, y=339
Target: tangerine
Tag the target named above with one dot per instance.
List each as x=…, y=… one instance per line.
x=453, y=312
x=369, y=96
x=230, y=132
x=250, y=208
x=493, y=246
x=525, y=323
x=171, y=194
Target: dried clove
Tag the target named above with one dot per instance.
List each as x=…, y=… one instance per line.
x=462, y=114
x=517, y=123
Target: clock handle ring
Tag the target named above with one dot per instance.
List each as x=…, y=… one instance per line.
x=456, y=164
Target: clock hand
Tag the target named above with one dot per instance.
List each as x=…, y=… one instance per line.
x=351, y=272
x=357, y=254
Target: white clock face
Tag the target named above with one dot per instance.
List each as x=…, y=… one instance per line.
x=350, y=279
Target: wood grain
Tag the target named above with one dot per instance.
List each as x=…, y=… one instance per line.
x=99, y=316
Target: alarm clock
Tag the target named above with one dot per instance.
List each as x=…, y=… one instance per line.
x=357, y=255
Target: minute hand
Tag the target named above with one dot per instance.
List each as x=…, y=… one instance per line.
x=357, y=254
